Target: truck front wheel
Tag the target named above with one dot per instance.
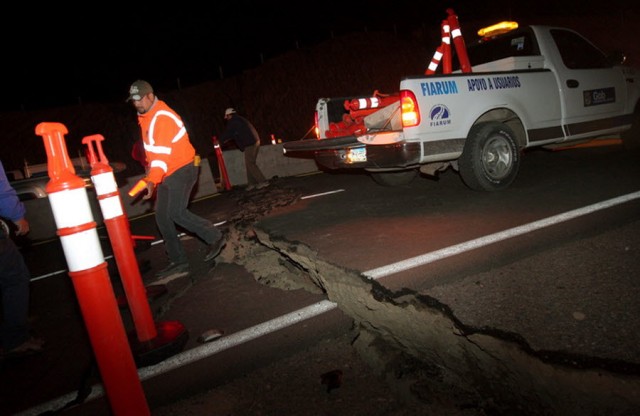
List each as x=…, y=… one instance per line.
x=490, y=159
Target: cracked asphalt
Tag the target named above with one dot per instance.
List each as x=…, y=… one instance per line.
x=511, y=340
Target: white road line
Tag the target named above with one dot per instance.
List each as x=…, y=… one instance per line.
x=494, y=238
x=322, y=194
x=237, y=338
x=153, y=243
x=198, y=353
x=321, y=307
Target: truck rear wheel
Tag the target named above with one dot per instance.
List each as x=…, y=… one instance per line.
x=490, y=159
x=395, y=178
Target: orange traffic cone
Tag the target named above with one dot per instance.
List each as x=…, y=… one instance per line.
x=224, y=177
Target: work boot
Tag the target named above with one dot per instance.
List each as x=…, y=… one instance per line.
x=30, y=347
x=215, y=249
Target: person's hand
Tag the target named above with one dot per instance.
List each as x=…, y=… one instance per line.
x=22, y=226
x=151, y=187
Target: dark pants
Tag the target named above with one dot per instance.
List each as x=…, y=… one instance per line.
x=254, y=174
x=172, y=200
x=14, y=284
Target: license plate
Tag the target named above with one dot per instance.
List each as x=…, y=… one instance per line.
x=358, y=154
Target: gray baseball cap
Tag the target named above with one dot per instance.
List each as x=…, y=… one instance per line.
x=139, y=89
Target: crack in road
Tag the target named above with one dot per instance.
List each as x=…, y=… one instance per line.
x=419, y=346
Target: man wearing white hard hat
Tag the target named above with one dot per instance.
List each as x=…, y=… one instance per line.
x=246, y=138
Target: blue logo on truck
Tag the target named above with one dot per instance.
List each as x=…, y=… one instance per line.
x=439, y=88
x=439, y=115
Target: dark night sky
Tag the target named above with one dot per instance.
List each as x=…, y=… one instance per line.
x=58, y=55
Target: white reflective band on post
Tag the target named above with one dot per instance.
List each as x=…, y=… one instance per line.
x=456, y=32
x=111, y=207
x=362, y=103
x=70, y=208
x=433, y=65
x=82, y=250
x=105, y=183
x=375, y=102
x=438, y=55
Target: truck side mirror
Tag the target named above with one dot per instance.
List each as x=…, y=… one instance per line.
x=616, y=58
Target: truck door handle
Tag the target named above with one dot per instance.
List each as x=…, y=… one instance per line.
x=572, y=83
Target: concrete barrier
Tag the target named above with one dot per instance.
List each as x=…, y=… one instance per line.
x=271, y=160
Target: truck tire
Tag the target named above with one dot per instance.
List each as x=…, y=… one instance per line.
x=490, y=159
x=395, y=178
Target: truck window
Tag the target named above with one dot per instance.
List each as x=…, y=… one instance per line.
x=516, y=43
x=577, y=52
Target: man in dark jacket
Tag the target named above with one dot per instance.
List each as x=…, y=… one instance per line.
x=14, y=277
x=245, y=136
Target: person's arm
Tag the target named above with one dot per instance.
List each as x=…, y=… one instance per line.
x=138, y=154
x=226, y=136
x=11, y=207
x=230, y=132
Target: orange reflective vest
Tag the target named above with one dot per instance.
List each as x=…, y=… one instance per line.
x=166, y=141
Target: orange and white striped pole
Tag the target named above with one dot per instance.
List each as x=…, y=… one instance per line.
x=443, y=52
x=458, y=41
x=445, y=33
x=435, y=61
x=119, y=232
x=89, y=274
x=376, y=101
x=224, y=177
x=156, y=340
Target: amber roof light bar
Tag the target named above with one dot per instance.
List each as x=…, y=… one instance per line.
x=497, y=29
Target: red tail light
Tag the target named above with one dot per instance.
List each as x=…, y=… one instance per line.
x=409, y=109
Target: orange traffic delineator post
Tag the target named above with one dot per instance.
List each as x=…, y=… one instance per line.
x=445, y=34
x=224, y=177
x=153, y=342
x=89, y=273
x=375, y=102
x=458, y=41
x=117, y=227
x=443, y=52
x=449, y=28
x=439, y=53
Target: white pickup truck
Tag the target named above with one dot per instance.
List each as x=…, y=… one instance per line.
x=535, y=86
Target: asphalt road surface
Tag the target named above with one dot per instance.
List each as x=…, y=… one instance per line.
x=541, y=278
